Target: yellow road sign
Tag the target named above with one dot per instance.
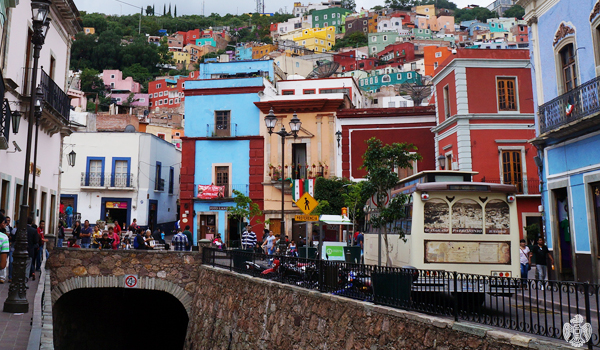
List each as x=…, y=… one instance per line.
x=307, y=203
x=307, y=217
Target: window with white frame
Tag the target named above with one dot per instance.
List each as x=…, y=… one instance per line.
x=438, y=54
x=158, y=86
x=324, y=17
x=160, y=93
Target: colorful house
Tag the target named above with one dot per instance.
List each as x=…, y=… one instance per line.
x=397, y=53
x=330, y=17
x=379, y=41
x=316, y=39
x=434, y=56
x=376, y=81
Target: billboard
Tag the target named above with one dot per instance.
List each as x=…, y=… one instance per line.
x=210, y=192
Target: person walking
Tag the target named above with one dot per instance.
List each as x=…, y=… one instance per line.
x=41, y=231
x=270, y=243
x=86, y=235
x=525, y=260
x=248, y=239
x=188, y=234
x=33, y=245
x=69, y=214
x=541, y=254
x=179, y=242
x=61, y=235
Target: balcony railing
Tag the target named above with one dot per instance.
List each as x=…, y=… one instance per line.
x=298, y=171
x=581, y=102
x=56, y=97
x=218, y=130
x=111, y=181
x=227, y=191
x=527, y=186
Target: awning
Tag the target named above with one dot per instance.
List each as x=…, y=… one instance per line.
x=335, y=220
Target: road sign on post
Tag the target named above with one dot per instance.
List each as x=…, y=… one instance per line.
x=307, y=203
x=306, y=218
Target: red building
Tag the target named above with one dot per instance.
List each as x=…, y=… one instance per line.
x=190, y=36
x=485, y=117
x=398, y=53
x=349, y=62
x=168, y=93
x=405, y=124
x=406, y=16
x=520, y=33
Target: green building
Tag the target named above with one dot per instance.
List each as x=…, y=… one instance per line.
x=379, y=41
x=419, y=33
x=373, y=82
x=334, y=16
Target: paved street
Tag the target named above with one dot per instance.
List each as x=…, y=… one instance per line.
x=15, y=328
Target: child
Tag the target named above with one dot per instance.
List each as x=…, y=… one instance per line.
x=105, y=242
x=73, y=243
x=126, y=244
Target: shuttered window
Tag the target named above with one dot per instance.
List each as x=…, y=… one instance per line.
x=512, y=171
x=507, y=94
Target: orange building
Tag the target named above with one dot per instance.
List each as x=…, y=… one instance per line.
x=261, y=51
x=434, y=56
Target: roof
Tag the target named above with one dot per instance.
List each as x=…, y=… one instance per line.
x=466, y=186
x=335, y=220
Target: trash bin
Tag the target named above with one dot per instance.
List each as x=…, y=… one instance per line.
x=352, y=254
x=392, y=288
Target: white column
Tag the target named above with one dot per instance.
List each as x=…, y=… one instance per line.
x=319, y=140
x=463, y=140
x=462, y=100
x=332, y=143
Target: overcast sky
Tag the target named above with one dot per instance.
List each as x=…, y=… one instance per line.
x=222, y=7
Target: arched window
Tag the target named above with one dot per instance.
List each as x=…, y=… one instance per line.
x=568, y=67
x=385, y=79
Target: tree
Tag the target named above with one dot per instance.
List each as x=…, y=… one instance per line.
x=164, y=10
x=381, y=161
x=399, y=4
x=377, y=8
x=479, y=13
x=356, y=39
x=331, y=190
x=355, y=200
x=139, y=74
x=244, y=208
x=515, y=11
x=349, y=4
x=175, y=11
x=169, y=13
x=149, y=11
x=90, y=81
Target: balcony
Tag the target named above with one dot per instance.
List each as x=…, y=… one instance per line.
x=529, y=186
x=219, y=130
x=56, y=97
x=95, y=181
x=226, y=193
x=576, y=108
x=298, y=171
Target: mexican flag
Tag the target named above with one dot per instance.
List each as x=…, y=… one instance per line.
x=302, y=186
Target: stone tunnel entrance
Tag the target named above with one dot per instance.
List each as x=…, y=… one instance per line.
x=118, y=318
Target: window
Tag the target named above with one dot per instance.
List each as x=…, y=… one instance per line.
x=374, y=39
x=435, y=65
x=316, y=19
x=288, y=92
x=324, y=17
x=438, y=54
x=142, y=100
x=171, y=179
x=160, y=93
x=596, y=204
x=222, y=178
x=385, y=38
x=328, y=36
x=569, y=68
x=120, y=175
x=303, y=42
x=409, y=75
x=426, y=9
x=325, y=24
x=112, y=76
x=166, y=100
x=95, y=172
x=385, y=25
x=349, y=25
x=158, y=86
x=375, y=101
x=309, y=92
x=171, y=101
x=413, y=66
x=112, y=85
x=506, y=94
x=222, y=123
x=385, y=79
x=160, y=102
x=159, y=183
x=447, y=101
x=364, y=23
x=512, y=172
x=160, y=136
x=156, y=94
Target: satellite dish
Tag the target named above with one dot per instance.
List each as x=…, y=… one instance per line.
x=129, y=128
x=324, y=69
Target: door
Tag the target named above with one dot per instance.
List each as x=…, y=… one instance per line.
x=222, y=123
x=511, y=169
x=18, y=194
x=95, y=175
x=5, y=193
x=152, y=212
x=275, y=226
x=43, y=207
x=121, y=177
x=222, y=179
x=299, y=161
x=233, y=233
x=207, y=226
x=563, y=227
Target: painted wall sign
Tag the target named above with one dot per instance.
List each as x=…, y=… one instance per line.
x=461, y=252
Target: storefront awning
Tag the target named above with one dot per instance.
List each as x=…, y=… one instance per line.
x=335, y=220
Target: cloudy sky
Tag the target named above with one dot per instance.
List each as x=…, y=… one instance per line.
x=222, y=7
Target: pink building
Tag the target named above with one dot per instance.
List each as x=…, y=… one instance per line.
x=138, y=99
x=114, y=79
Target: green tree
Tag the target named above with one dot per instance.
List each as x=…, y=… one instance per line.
x=355, y=199
x=479, y=13
x=95, y=20
x=175, y=11
x=349, y=4
x=244, y=208
x=139, y=74
x=377, y=8
x=149, y=11
x=381, y=161
x=399, y=4
x=331, y=190
x=356, y=39
x=515, y=11
x=91, y=81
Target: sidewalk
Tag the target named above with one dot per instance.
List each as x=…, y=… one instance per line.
x=14, y=328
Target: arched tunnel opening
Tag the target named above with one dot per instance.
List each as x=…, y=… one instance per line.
x=118, y=318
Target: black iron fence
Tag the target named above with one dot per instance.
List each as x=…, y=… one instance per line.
x=56, y=97
x=581, y=102
x=532, y=306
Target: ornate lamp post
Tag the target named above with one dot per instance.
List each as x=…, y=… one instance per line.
x=295, y=123
x=16, y=302
x=39, y=108
x=441, y=161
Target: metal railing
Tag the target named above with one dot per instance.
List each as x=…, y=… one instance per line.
x=532, y=306
x=581, y=102
x=298, y=171
x=56, y=97
x=527, y=186
x=219, y=130
x=100, y=179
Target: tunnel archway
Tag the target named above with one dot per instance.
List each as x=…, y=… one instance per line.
x=118, y=318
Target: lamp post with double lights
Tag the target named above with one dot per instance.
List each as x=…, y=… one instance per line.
x=16, y=302
x=295, y=123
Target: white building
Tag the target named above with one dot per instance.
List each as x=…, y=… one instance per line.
x=16, y=61
x=391, y=24
x=293, y=24
x=123, y=176
x=326, y=88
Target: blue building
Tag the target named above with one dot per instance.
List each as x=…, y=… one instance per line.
x=222, y=146
x=374, y=82
x=243, y=53
x=565, y=55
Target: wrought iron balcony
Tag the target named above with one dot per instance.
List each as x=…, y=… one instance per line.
x=530, y=186
x=56, y=97
x=219, y=130
x=298, y=171
x=575, y=105
x=108, y=181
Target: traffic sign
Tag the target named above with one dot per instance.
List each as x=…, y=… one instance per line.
x=306, y=217
x=307, y=203
x=131, y=281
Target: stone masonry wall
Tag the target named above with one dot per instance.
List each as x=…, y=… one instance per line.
x=233, y=311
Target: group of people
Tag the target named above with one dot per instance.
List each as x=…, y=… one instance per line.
x=271, y=244
x=541, y=256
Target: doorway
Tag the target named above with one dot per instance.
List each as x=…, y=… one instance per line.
x=207, y=224
x=233, y=232
x=118, y=209
x=18, y=194
x=299, y=161
x=5, y=193
x=563, y=227
x=152, y=213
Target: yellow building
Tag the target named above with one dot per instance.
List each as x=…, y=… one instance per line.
x=425, y=10
x=181, y=57
x=89, y=30
x=316, y=39
x=261, y=51
x=483, y=36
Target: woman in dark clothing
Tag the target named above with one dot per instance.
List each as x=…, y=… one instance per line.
x=105, y=242
x=77, y=231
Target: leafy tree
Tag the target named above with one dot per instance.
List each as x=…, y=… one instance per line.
x=91, y=81
x=356, y=39
x=515, y=11
x=349, y=4
x=139, y=74
x=149, y=11
x=175, y=11
x=377, y=8
x=96, y=20
x=331, y=190
x=169, y=13
x=355, y=200
x=244, y=208
x=439, y=4
x=479, y=13
x=399, y=4
x=164, y=10
x=380, y=161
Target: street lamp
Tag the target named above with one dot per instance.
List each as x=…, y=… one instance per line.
x=71, y=158
x=16, y=121
x=338, y=136
x=39, y=108
x=442, y=161
x=16, y=302
x=295, y=123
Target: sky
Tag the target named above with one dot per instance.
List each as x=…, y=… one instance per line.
x=112, y=7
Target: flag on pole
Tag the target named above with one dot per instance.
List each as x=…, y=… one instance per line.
x=302, y=186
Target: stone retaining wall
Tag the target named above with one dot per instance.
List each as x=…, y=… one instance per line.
x=233, y=311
